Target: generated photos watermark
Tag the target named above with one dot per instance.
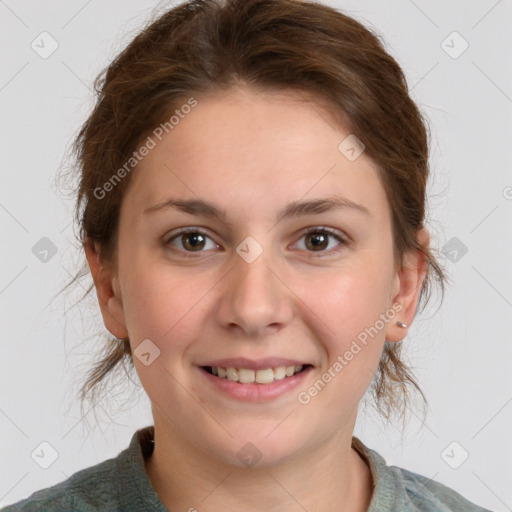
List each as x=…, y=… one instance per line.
x=304, y=397
x=144, y=150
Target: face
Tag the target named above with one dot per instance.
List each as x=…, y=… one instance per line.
x=252, y=284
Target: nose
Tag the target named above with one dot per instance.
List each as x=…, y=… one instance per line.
x=255, y=299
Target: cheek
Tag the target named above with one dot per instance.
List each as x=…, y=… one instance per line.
x=163, y=304
x=351, y=299
x=146, y=307
x=352, y=312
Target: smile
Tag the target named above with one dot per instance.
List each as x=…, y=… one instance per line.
x=249, y=376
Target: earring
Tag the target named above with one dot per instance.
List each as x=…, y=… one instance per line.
x=400, y=324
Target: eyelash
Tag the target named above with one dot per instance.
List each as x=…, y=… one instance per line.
x=316, y=229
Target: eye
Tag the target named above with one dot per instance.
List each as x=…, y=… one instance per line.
x=317, y=240
x=189, y=240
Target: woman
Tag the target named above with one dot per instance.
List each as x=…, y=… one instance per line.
x=252, y=205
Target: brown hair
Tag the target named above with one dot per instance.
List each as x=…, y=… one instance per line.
x=207, y=45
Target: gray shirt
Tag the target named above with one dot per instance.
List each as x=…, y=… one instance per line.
x=122, y=484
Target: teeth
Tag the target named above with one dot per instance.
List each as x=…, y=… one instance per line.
x=279, y=373
x=247, y=376
x=232, y=374
x=265, y=376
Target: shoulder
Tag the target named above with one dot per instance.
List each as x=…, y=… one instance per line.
x=91, y=489
x=427, y=495
x=116, y=484
x=397, y=488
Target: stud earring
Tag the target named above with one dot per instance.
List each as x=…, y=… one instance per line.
x=401, y=324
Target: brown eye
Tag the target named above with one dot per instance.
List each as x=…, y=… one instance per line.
x=191, y=240
x=319, y=240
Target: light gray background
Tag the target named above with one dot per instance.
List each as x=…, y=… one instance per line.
x=462, y=354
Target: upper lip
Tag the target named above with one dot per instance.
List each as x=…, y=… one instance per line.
x=253, y=364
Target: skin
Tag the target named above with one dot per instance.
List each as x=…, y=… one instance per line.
x=253, y=152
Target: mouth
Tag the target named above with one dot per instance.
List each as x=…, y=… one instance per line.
x=263, y=376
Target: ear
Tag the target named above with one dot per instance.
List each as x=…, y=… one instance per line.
x=109, y=296
x=407, y=287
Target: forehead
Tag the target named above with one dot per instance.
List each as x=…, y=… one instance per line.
x=248, y=147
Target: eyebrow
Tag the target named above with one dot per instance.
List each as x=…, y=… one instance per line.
x=204, y=208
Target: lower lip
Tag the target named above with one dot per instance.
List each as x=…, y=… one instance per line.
x=256, y=392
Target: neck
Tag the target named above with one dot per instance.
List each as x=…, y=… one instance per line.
x=333, y=477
